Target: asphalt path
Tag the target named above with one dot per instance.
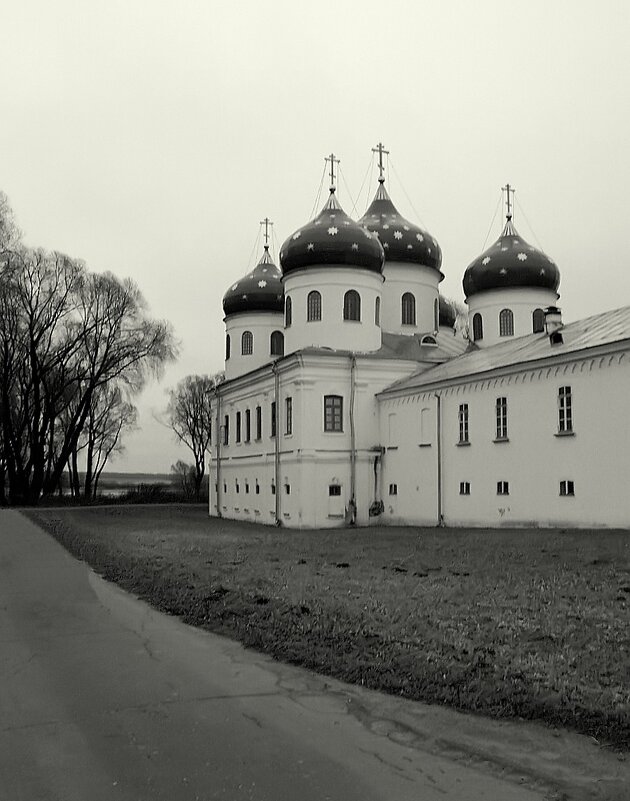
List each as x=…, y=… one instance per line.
x=102, y=697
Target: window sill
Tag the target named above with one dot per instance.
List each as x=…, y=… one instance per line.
x=564, y=434
x=333, y=432
x=392, y=448
x=501, y=439
x=424, y=444
x=462, y=444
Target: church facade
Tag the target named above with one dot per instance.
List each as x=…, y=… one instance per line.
x=349, y=398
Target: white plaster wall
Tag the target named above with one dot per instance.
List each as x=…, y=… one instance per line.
x=261, y=324
x=333, y=331
x=422, y=282
x=522, y=301
x=534, y=460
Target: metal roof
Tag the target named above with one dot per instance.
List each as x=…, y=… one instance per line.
x=591, y=332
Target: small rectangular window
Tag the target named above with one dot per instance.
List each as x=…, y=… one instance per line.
x=238, y=489
x=565, y=410
x=501, y=413
x=246, y=488
x=225, y=488
x=258, y=422
x=288, y=409
x=503, y=488
x=393, y=489
x=333, y=413
x=226, y=430
x=287, y=489
x=248, y=425
x=273, y=489
x=257, y=488
x=273, y=418
x=567, y=488
x=464, y=487
x=463, y=422
x=238, y=426
x=334, y=490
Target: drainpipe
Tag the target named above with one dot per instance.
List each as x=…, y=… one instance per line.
x=440, y=516
x=218, y=435
x=353, y=448
x=276, y=453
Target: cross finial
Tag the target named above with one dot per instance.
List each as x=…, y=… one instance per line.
x=380, y=150
x=333, y=160
x=509, y=191
x=267, y=223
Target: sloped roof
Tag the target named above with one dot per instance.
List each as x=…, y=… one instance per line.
x=591, y=332
x=406, y=348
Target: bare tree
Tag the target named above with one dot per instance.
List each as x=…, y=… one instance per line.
x=184, y=475
x=189, y=414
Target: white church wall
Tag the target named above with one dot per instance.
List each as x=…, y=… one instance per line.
x=422, y=282
x=260, y=325
x=332, y=331
x=521, y=301
x=533, y=460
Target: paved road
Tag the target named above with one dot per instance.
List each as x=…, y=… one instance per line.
x=101, y=697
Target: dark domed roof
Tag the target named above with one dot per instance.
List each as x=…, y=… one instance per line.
x=401, y=239
x=447, y=312
x=332, y=238
x=510, y=262
x=260, y=290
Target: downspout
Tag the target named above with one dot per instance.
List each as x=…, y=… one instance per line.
x=276, y=453
x=440, y=516
x=352, y=506
x=218, y=435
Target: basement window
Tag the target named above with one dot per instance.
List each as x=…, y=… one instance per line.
x=567, y=488
x=334, y=490
x=393, y=489
x=503, y=488
x=464, y=487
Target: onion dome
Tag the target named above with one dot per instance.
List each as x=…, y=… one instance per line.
x=402, y=240
x=332, y=238
x=447, y=312
x=510, y=262
x=260, y=290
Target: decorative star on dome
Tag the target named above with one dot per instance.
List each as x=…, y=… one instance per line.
x=503, y=249
x=234, y=287
x=542, y=271
x=297, y=235
x=264, y=270
x=310, y=246
x=428, y=250
x=355, y=246
x=503, y=271
x=332, y=216
x=332, y=231
x=346, y=222
x=386, y=245
x=368, y=234
x=244, y=297
x=409, y=247
x=317, y=222
x=522, y=256
x=516, y=242
x=406, y=227
x=262, y=284
x=385, y=226
x=398, y=234
x=486, y=260
x=419, y=237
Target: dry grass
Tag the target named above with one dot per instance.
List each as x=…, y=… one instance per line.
x=532, y=623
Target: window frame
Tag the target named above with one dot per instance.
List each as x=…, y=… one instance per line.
x=314, y=306
x=377, y=311
x=503, y=487
x=538, y=321
x=228, y=347
x=408, y=309
x=501, y=412
x=288, y=416
x=565, y=410
x=288, y=312
x=226, y=429
x=274, y=419
x=477, y=323
x=352, y=306
x=464, y=487
x=506, y=323
x=248, y=425
x=247, y=343
x=333, y=414
x=463, y=422
x=237, y=437
x=259, y=422
x=276, y=343
x=567, y=488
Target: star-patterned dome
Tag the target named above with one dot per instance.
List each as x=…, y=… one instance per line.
x=260, y=290
x=510, y=262
x=402, y=240
x=332, y=238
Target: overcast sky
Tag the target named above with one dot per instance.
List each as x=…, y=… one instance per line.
x=150, y=137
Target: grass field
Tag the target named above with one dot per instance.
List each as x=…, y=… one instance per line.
x=532, y=624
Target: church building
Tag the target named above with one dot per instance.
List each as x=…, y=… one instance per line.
x=350, y=398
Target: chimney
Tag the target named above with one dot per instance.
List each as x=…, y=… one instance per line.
x=553, y=324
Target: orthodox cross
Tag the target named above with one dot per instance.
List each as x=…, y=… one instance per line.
x=266, y=222
x=510, y=194
x=380, y=150
x=332, y=159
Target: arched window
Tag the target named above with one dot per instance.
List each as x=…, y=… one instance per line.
x=506, y=323
x=227, y=347
x=247, y=343
x=352, y=305
x=277, y=343
x=408, y=309
x=313, y=306
x=538, y=321
x=377, y=311
x=288, y=313
x=436, y=315
x=477, y=327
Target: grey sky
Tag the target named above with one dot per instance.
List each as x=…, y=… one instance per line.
x=150, y=138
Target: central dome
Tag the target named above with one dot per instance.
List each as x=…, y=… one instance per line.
x=332, y=239
x=402, y=240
